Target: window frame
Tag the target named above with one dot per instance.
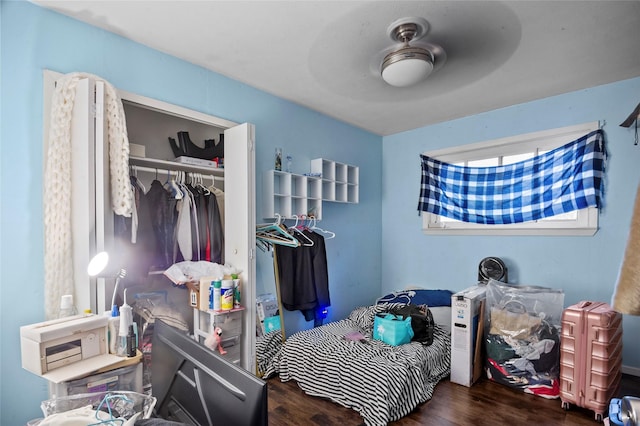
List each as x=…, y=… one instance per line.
x=586, y=222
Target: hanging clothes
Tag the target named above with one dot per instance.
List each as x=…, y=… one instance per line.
x=176, y=222
x=183, y=232
x=215, y=230
x=162, y=207
x=220, y=199
x=136, y=243
x=198, y=222
x=304, y=278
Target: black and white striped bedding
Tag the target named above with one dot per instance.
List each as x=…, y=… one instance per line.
x=267, y=347
x=381, y=382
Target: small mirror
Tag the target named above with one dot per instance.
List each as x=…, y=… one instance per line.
x=270, y=332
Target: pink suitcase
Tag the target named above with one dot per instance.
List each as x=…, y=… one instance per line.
x=590, y=356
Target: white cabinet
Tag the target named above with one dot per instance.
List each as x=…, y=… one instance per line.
x=290, y=195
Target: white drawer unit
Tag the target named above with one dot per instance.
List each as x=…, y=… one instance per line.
x=230, y=322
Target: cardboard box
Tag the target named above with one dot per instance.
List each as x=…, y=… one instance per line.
x=202, y=297
x=137, y=150
x=194, y=293
x=467, y=313
x=267, y=306
x=267, y=309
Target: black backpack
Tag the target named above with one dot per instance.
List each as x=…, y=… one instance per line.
x=421, y=322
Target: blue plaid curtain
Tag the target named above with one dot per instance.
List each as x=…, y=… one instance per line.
x=565, y=179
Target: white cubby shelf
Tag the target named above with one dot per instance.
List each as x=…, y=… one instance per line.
x=290, y=195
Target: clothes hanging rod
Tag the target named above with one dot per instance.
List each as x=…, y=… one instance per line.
x=174, y=173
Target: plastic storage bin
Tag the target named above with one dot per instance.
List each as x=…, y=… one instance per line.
x=127, y=378
x=117, y=404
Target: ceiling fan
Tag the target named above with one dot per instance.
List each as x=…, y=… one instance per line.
x=415, y=59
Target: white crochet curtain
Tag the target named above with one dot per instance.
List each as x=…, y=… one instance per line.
x=57, y=183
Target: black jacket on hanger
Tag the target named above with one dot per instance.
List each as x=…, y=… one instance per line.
x=215, y=229
x=303, y=276
x=136, y=258
x=162, y=219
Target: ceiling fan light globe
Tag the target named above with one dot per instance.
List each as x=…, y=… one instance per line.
x=406, y=67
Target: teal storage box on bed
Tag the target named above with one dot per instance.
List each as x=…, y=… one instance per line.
x=392, y=329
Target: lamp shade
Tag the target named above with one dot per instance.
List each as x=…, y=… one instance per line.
x=407, y=66
x=98, y=264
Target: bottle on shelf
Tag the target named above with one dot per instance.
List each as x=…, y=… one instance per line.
x=278, y=162
x=131, y=342
x=215, y=295
x=67, y=308
x=113, y=330
x=289, y=163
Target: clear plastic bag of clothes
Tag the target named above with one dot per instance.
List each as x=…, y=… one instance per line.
x=522, y=337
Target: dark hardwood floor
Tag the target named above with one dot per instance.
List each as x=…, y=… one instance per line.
x=485, y=403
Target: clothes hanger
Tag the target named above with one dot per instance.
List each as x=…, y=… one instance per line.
x=275, y=233
x=200, y=183
x=172, y=186
x=306, y=241
x=314, y=227
x=275, y=238
x=133, y=172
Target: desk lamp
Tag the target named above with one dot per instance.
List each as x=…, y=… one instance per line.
x=98, y=268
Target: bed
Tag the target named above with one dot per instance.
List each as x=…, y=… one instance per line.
x=382, y=383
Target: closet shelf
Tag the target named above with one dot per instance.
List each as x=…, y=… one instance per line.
x=172, y=165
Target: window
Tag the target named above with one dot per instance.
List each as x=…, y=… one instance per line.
x=507, y=151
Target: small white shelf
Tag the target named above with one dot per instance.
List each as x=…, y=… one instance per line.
x=289, y=195
x=340, y=181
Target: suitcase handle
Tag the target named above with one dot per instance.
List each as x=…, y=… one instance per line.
x=584, y=304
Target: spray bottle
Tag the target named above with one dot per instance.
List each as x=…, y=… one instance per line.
x=114, y=325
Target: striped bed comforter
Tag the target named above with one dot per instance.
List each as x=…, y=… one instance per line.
x=381, y=382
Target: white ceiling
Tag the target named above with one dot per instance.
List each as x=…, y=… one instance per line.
x=322, y=54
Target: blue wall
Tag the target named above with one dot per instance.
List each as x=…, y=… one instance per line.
x=34, y=39
x=586, y=268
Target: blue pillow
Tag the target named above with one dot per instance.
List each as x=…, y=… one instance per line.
x=419, y=297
